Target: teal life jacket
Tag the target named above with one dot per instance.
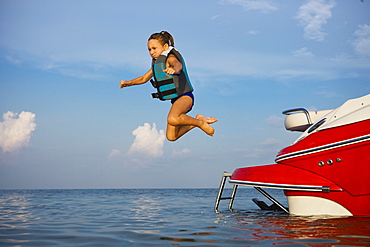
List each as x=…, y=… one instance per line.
x=169, y=86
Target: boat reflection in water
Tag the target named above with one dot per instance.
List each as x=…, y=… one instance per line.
x=306, y=231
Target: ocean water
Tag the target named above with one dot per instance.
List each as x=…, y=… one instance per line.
x=163, y=217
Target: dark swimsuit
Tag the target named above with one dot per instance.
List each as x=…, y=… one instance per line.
x=190, y=94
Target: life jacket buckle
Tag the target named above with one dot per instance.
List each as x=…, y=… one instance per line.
x=154, y=83
x=155, y=95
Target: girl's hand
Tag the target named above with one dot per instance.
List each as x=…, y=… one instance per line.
x=125, y=84
x=170, y=71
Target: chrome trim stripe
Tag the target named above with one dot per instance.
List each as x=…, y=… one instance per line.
x=283, y=186
x=323, y=148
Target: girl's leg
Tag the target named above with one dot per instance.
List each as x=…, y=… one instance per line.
x=178, y=123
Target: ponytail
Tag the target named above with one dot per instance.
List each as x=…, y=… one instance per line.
x=163, y=37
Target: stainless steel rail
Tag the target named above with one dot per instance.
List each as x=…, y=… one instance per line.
x=272, y=199
x=288, y=112
x=225, y=175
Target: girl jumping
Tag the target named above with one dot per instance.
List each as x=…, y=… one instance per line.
x=172, y=83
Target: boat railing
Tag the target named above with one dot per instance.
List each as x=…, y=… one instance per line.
x=295, y=110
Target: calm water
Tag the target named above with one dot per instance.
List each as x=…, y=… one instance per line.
x=162, y=217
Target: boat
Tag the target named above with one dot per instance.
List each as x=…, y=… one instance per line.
x=325, y=171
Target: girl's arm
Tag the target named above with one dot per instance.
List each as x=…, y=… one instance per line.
x=137, y=81
x=174, y=66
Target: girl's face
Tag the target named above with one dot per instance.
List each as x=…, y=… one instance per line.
x=156, y=48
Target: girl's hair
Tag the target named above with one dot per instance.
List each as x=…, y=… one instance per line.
x=163, y=37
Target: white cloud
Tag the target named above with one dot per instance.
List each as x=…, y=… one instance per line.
x=253, y=32
x=181, y=152
x=267, y=148
x=148, y=141
x=264, y=6
x=146, y=148
x=303, y=53
x=362, y=43
x=114, y=154
x=270, y=142
x=313, y=15
x=328, y=94
x=214, y=17
x=13, y=60
x=275, y=121
x=16, y=132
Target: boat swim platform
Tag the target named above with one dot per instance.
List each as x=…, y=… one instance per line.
x=276, y=206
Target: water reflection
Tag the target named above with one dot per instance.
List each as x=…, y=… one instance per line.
x=311, y=231
x=161, y=218
x=14, y=211
x=145, y=214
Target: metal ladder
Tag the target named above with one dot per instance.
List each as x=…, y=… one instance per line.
x=225, y=175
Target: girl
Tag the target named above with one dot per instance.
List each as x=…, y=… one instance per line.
x=172, y=82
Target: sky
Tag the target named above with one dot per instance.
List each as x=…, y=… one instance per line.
x=65, y=124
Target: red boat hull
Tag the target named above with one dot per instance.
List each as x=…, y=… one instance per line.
x=346, y=165
x=331, y=164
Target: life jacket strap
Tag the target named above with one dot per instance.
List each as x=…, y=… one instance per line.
x=166, y=89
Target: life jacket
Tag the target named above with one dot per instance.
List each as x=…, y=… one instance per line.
x=169, y=86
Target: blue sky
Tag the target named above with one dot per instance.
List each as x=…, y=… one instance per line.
x=66, y=124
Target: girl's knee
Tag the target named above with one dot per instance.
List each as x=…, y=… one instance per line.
x=171, y=138
x=172, y=120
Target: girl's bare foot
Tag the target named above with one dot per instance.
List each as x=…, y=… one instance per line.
x=208, y=120
x=208, y=129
